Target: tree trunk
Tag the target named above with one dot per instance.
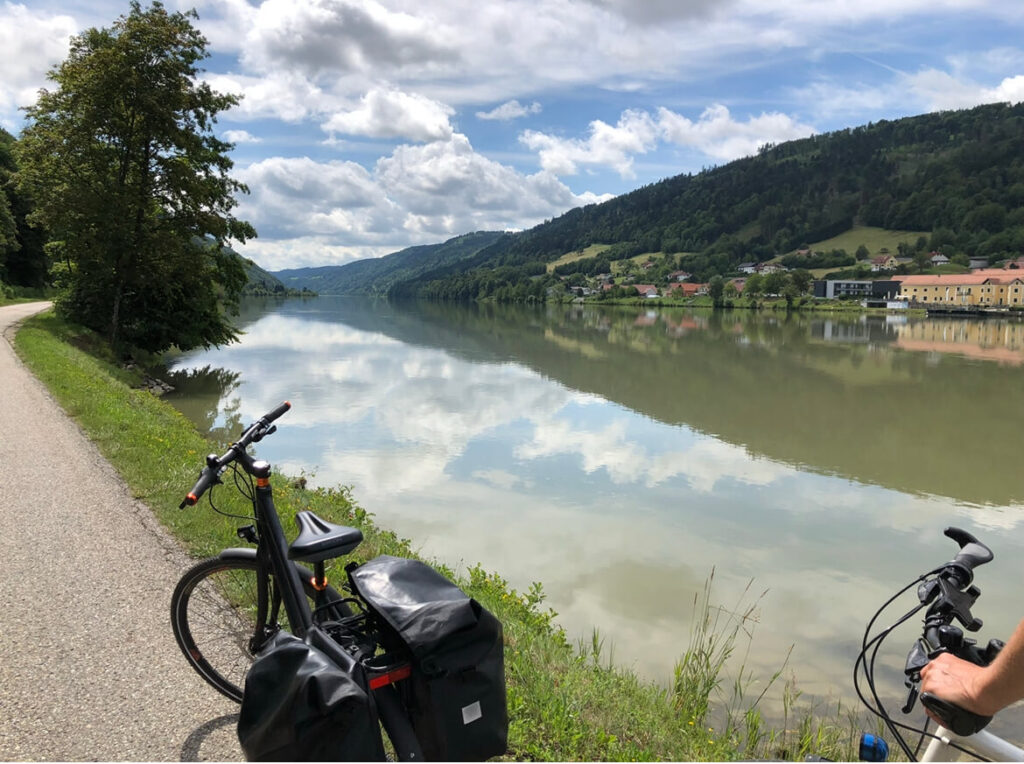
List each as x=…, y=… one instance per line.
x=116, y=313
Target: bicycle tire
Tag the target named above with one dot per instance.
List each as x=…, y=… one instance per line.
x=214, y=616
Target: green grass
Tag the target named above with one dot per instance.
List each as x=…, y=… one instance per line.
x=566, y=702
x=570, y=257
x=875, y=239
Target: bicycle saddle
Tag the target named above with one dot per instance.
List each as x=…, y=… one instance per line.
x=320, y=540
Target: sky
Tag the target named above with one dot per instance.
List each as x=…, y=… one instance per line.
x=367, y=126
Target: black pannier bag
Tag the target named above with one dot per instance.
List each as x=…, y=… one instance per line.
x=301, y=705
x=456, y=693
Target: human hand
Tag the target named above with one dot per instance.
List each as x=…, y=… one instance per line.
x=957, y=681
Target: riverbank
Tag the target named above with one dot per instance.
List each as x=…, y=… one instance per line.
x=565, y=701
x=802, y=305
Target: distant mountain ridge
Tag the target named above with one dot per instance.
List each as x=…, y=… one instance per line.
x=260, y=283
x=380, y=275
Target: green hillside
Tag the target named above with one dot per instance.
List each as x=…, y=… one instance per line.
x=260, y=283
x=380, y=275
x=955, y=179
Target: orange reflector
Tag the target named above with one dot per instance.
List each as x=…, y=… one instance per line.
x=263, y=482
x=192, y=497
x=318, y=585
x=402, y=672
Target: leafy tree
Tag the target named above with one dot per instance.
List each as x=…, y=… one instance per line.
x=23, y=261
x=790, y=293
x=754, y=285
x=774, y=282
x=716, y=287
x=132, y=185
x=8, y=226
x=801, y=280
x=862, y=252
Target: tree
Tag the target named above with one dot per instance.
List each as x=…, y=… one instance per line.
x=862, y=252
x=774, y=282
x=126, y=175
x=23, y=261
x=716, y=287
x=801, y=280
x=753, y=285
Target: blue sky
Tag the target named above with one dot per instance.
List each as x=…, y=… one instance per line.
x=367, y=126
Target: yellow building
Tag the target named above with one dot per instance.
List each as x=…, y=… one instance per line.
x=984, y=288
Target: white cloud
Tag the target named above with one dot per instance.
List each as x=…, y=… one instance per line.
x=32, y=41
x=385, y=113
x=615, y=147
x=718, y=135
x=715, y=133
x=419, y=194
x=343, y=36
x=290, y=97
x=926, y=90
x=241, y=136
x=1010, y=89
x=509, y=110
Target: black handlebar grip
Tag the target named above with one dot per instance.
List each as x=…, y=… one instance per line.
x=276, y=413
x=953, y=717
x=206, y=478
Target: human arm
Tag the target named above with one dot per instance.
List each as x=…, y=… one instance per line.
x=983, y=690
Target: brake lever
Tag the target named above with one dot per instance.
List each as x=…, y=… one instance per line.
x=262, y=433
x=911, y=696
x=917, y=659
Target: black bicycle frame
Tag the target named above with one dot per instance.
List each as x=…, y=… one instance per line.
x=273, y=544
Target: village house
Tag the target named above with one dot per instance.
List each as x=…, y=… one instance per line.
x=937, y=258
x=678, y=276
x=766, y=268
x=646, y=290
x=747, y=267
x=989, y=287
x=687, y=289
x=883, y=263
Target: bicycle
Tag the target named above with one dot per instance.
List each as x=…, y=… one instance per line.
x=226, y=610
x=948, y=594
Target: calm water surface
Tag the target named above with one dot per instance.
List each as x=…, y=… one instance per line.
x=619, y=455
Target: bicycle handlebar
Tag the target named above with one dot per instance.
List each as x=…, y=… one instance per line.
x=950, y=596
x=215, y=465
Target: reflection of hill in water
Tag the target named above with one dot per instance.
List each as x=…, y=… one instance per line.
x=831, y=396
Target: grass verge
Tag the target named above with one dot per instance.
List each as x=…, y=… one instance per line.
x=566, y=702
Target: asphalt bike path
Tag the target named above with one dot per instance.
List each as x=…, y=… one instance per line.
x=89, y=669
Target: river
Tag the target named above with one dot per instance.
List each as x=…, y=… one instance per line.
x=619, y=455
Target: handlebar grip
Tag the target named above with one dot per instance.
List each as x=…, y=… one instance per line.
x=276, y=413
x=207, y=478
x=954, y=717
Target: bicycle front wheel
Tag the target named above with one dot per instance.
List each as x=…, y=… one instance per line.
x=222, y=611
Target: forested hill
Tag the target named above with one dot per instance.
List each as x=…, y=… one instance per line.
x=380, y=275
x=958, y=174
x=261, y=283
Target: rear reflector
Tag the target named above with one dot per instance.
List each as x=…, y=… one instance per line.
x=402, y=672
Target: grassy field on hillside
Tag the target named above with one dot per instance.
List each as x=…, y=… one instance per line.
x=570, y=257
x=875, y=239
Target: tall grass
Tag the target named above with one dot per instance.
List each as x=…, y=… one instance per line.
x=567, y=702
